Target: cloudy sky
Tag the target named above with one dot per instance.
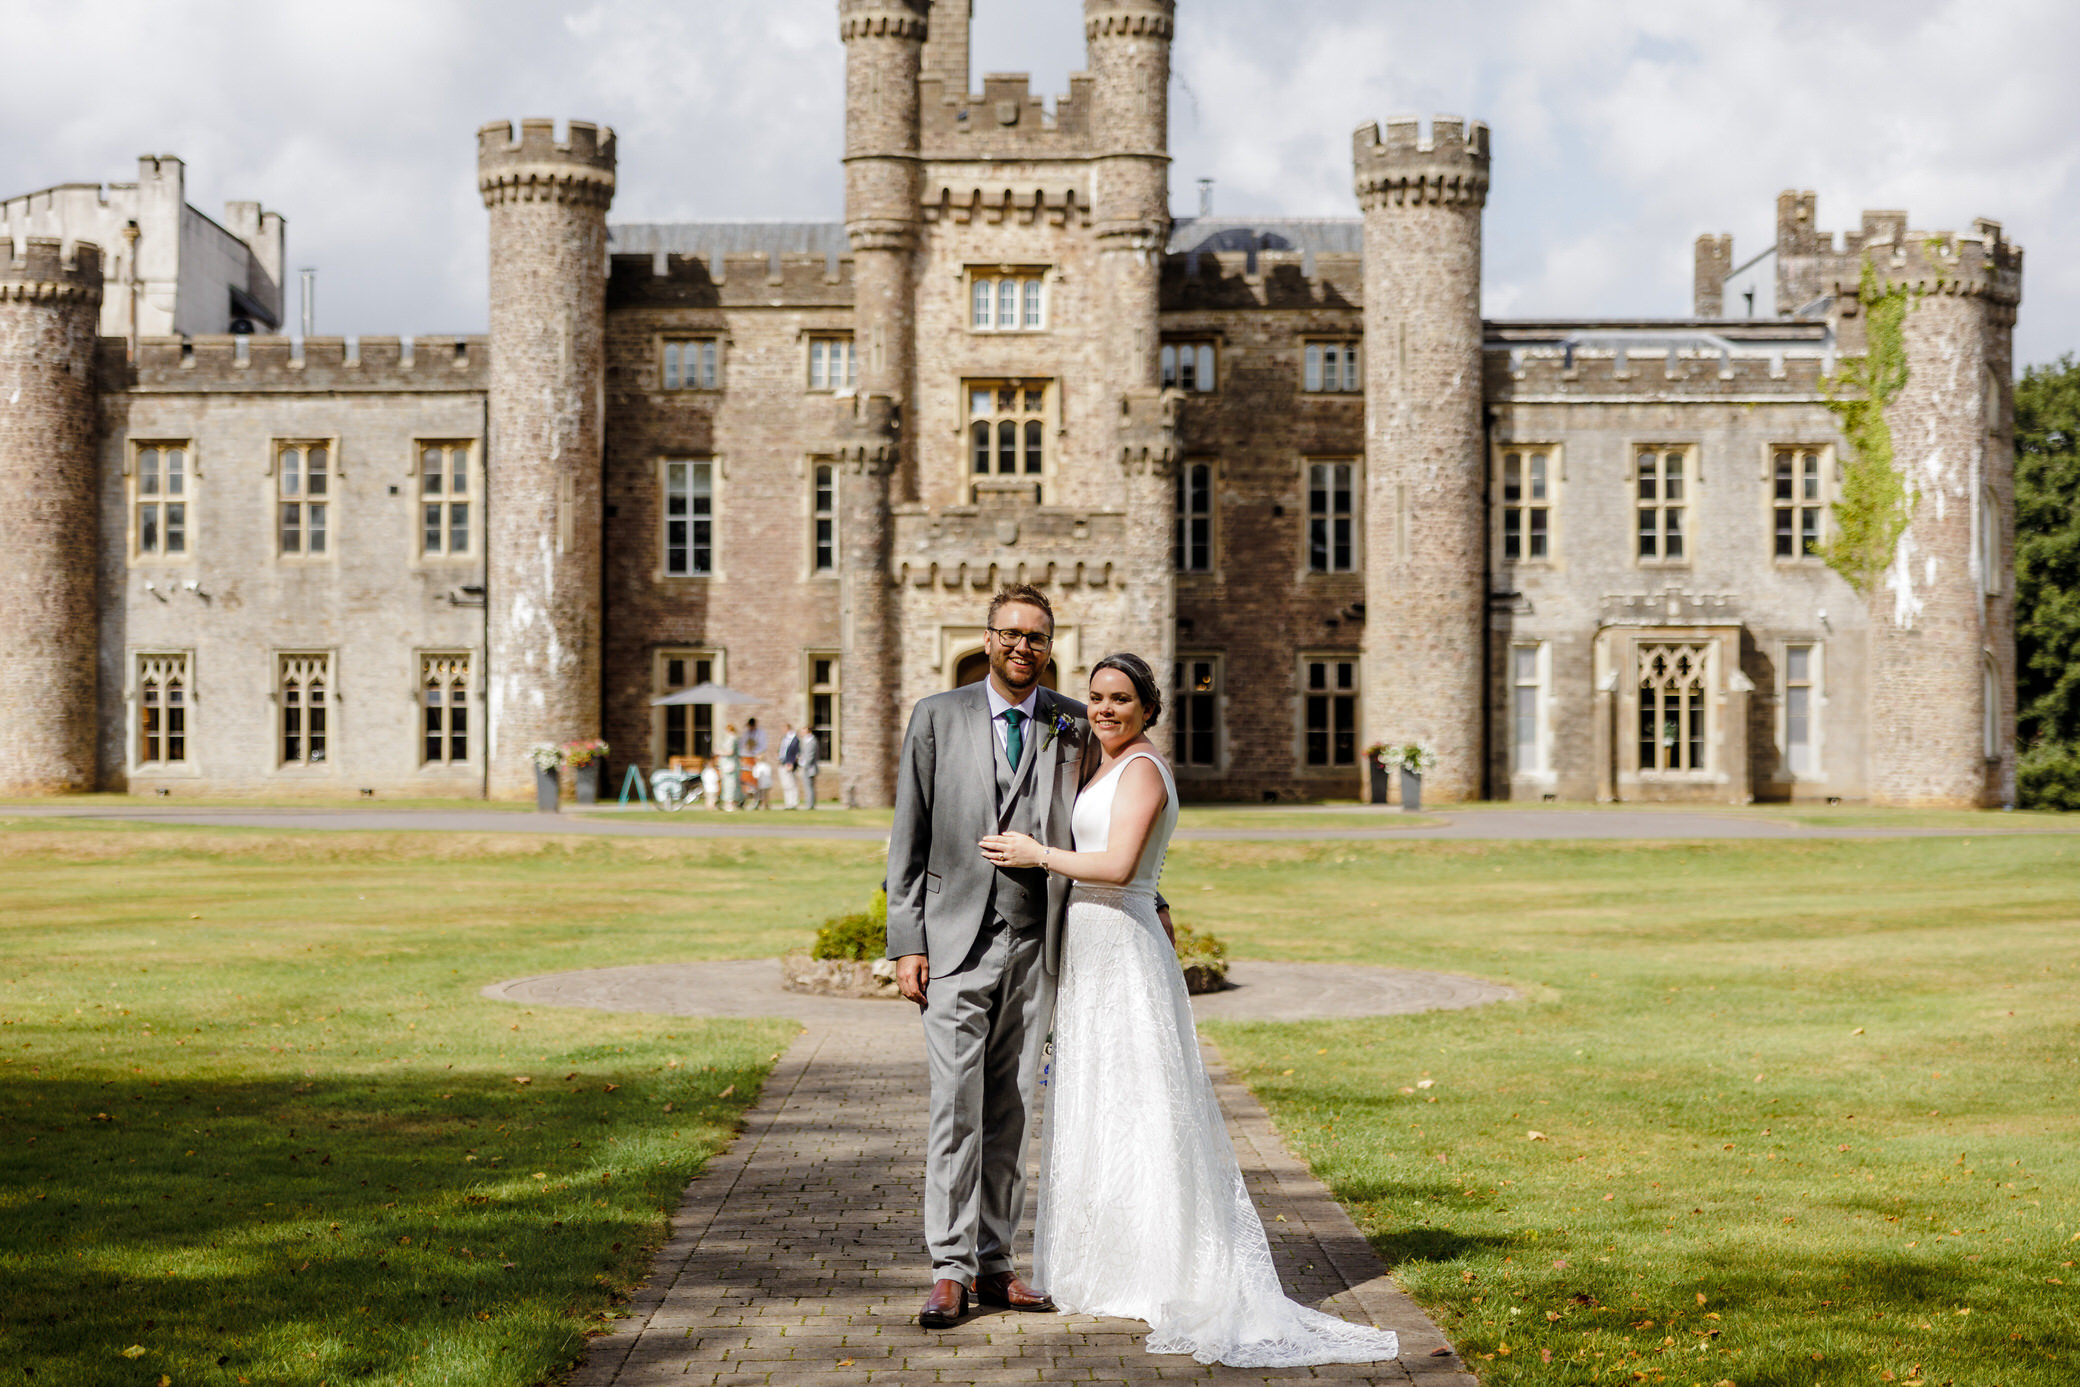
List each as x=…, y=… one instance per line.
x=1622, y=128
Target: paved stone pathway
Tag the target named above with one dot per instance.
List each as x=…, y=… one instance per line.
x=797, y=1257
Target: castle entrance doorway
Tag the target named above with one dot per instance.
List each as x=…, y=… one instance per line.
x=974, y=668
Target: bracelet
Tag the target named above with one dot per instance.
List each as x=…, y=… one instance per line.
x=1043, y=857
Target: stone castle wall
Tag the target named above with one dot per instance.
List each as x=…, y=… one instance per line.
x=50, y=296
x=548, y=202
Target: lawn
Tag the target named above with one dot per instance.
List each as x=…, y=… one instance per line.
x=1827, y=1086
x=1769, y=1114
x=257, y=1125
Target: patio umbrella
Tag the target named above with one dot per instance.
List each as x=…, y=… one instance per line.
x=704, y=693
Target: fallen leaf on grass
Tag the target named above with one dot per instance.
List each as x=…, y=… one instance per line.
x=668, y=1107
x=134, y=1351
x=1857, y=1031
x=1534, y=1136
x=1425, y=1083
x=728, y=1092
x=844, y=1362
x=611, y=1087
x=522, y=1079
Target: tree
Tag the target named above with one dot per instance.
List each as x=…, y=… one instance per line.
x=2047, y=583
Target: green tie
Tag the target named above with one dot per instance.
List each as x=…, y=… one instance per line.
x=1014, y=736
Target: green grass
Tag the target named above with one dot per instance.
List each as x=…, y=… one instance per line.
x=256, y=1121
x=1806, y=1111
x=290, y=1008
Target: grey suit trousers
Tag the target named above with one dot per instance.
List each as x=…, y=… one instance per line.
x=986, y=1025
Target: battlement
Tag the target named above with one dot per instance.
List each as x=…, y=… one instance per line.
x=1006, y=538
x=1814, y=265
x=1651, y=371
x=962, y=195
x=899, y=19
x=537, y=167
x=1239, y=279
x=282, y=365
x=732, y=279
x=43, y=272
x=1402, y=168
x=1006, y=122
x=1129, y=19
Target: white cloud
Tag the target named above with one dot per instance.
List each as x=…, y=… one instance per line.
x=1622, y=128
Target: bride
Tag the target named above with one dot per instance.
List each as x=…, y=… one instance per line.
x=1143, y=1214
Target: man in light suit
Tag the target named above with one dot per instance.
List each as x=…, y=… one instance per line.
x=978, y=947
x=790, y=757
x=805, y=766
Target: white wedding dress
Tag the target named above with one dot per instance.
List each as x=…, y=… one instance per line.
x=1142, y=1211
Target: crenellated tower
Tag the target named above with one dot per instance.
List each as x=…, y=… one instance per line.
x=1128, y=45
x=1424, y=550
x=1942, y=682
x=884, y=44
x=548, y=201
x=50, y=302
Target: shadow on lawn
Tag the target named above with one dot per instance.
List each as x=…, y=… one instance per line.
x=292, y=1232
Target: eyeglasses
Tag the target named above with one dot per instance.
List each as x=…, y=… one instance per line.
x=1034, y=640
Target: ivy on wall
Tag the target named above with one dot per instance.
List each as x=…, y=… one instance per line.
x=1876, y=503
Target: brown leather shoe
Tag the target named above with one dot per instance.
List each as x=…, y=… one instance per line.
x=944, y=1307
x=1005, y=1291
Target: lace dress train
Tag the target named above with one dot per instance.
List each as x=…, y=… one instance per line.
x=1142, y=1209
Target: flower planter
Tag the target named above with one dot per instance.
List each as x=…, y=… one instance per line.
x=871, y=979
x=1411, y=792
x=547, y=785
x=1376, y=777
x=1205, y=977
x=588, y=783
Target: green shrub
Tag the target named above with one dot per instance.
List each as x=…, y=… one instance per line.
x=859, y=936
x=1199, y=950
x=2047, y=776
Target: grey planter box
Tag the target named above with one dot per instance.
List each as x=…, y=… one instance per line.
x=547, y=785
x=1376, y=778
x=588, y=783
x=1411, y=792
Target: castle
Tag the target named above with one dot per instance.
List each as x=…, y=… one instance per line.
x=1287, y=460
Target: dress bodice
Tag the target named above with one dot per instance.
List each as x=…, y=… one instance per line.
x=1091, y=821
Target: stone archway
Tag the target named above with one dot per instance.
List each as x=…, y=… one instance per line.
x=973, y=668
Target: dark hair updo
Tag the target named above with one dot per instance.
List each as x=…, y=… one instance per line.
x=1141, y=677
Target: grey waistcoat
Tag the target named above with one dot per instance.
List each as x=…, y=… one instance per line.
x=1019, y=897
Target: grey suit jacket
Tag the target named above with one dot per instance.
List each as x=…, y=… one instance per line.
x=946, y=802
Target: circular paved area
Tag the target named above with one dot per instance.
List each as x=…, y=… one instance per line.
x=751, y=987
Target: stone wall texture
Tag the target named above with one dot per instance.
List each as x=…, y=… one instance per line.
x=1424, y=523
x=548, y=202
x=50, y=298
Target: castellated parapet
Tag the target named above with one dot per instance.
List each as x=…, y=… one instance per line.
x=537, y=167
x=1398, y=167
x=50, y=300
x=548, y=203
x=1424, y=558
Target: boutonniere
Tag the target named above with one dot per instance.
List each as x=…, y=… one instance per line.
x=1061, y=726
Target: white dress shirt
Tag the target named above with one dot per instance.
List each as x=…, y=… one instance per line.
x=998, y=706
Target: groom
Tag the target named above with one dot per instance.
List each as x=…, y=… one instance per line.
x=977, y=947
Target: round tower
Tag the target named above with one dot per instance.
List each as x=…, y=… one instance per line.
x=548, y=202
x=1424, y=553
x=884, y=43
x=1128, y=53
x=1942, y=713
x=50, y=305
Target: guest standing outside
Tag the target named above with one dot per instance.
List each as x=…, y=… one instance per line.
x=807, y=770
x=729, y=768
x=790, y=758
